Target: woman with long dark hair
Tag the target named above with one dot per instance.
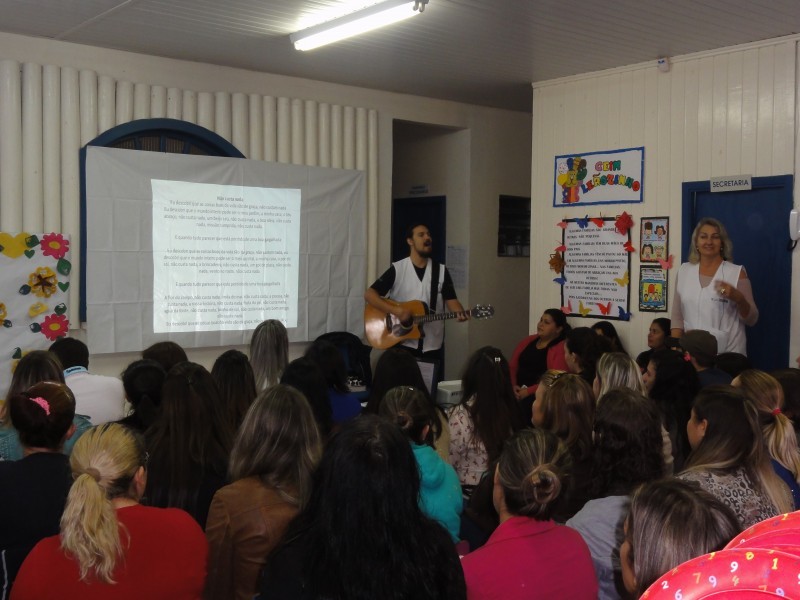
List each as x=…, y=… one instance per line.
x=269, y=352
x=627, y=453
x=142, y=380
x=236, y=384
x=189, y=443
x=273, y=458
x=729, y=458
x=486, y=417
x=363, y=534
x=344, y=404
x=672, y=383
x=660, y=329
x=582, y=349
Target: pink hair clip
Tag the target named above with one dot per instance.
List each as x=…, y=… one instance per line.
x=686, y=357
x=43, y=403
x=777, y=411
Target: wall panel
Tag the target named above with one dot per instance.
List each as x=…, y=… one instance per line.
x=727, y=113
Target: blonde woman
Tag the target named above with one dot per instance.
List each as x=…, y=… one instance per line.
x=275, y=453
x=617, y=369
x=269, y=353
x=766, y=394
x=111, y=546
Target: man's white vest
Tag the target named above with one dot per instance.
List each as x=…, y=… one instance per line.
x=407, y=286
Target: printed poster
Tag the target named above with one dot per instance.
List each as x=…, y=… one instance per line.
x=607, y=177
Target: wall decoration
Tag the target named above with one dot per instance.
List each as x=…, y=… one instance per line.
x=34, y=284
x=608, y=177
x=595, y=277
x=652, y=289
x=654, y=246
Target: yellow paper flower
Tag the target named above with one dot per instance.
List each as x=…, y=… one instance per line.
x=43, y=282
x=37, y=308
x=3, y=312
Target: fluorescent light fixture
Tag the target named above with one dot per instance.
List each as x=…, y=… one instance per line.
x=355, y=23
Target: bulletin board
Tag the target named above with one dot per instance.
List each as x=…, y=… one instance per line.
x=595, y=279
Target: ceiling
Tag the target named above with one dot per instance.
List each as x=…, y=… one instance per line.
x=483, y=52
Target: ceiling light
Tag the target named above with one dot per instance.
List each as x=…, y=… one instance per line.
x=361, y=21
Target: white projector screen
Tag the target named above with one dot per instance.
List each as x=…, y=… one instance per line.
x=199, y=250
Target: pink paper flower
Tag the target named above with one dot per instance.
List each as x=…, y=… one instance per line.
x=55, y=326
x=54, y=244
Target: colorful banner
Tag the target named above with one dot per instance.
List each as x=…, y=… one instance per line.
x=34, y=279
x=608, y=177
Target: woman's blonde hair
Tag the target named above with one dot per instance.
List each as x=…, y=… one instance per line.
x=726, y=249
x=766, y=394
x=615, y=369
x=568, y=411
x=104, y=462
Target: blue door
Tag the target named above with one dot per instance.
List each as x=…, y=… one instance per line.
x=757, y=222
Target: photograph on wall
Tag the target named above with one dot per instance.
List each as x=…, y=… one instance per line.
x=654, y=246
x=595, y=277
x=652, y=289
x=607, y=177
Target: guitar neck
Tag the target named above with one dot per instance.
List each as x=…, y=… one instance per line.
x=441, y=316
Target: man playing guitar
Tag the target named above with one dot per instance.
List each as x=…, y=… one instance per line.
x=415, y=278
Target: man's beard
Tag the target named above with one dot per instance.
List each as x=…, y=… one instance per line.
x=426, y=251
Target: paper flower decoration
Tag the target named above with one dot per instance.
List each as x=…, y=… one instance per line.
x=623, y=223
x=557, y=262
x=54, y=245
x=43, y=282
x=3, y=311
x=55, y=326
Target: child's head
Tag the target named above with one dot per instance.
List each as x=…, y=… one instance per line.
x=670, y=522
x=409, y=409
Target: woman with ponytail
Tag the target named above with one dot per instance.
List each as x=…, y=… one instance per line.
x=486, y=417
x=110, y=546
x=34, y=487
x=529, y=556
x=766, y=394
x=440, y=491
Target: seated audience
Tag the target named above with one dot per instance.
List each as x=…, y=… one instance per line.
x=111, y=546
x=236, y=384
x=304, y=375
x=363, y=534
x=486, y=417
x=344, y=403
x=538, y=353
x=142, y=380
x=729, y=459
x=529, y=556
x=733, y=363
x=34, y=488
x=701, y=347
x=399, y=367
x=33, y=368
x=627, y=453
x=167, y=354
x=672, y=383
x=619, y=370
x=100, y=398
x=582, y=349
x=766, y=394
x=790, y=384
x=565, y=407
x=657, y=335
x=275, y=453
x=671, y=521
x=269, y=352
x=189, y=443
x=608, y=331
x=440, y=490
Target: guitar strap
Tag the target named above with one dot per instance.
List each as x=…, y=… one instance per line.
x=434, y=294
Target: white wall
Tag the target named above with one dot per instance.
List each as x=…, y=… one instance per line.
x=727, y=112
x=505, y=133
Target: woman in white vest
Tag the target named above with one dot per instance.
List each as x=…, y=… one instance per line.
x=713, y=293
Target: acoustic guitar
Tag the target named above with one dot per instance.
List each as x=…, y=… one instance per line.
x=385, y=330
